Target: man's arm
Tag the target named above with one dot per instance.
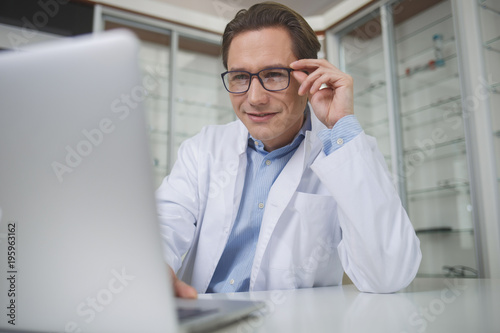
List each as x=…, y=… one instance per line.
x=177, y=207
x=379, y=249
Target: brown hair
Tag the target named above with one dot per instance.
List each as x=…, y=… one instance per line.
x=305, y=44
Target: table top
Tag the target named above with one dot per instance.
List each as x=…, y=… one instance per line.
x=427, y=305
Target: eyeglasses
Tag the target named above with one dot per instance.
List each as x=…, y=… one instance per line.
x=272, y=79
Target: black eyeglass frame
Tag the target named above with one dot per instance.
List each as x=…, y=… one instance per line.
x=289, y=70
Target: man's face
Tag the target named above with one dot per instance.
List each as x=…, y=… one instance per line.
x=272, y=117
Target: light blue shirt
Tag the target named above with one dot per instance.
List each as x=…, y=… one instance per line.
x=233, y=270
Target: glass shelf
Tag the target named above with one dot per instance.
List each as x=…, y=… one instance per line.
x=489, y=6
x=381, y=122
x=444, y=229
x=418, y=32
x=195, y=72
x=448, y=143
x=371, y=88
x=444, y=275
x=447, y=42
x=204, y=105
x=451, y=189
x=493, y=44
x=353, y=65
x=429, y=78
x=159, y=132
x=163, y=96
x=432, y=105
x=413, y=112
x=446, y=249
x=495, y=88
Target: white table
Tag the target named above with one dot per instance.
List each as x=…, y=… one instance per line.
x=427, y=305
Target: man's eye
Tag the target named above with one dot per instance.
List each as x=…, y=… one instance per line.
x=239, y=77
x=274, y=75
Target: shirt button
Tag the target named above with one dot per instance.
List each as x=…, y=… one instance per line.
x=340, y=141
x=261, y=205
x=232, y=281
x=268, y=162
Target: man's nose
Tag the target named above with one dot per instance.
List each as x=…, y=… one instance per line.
x=256, y=93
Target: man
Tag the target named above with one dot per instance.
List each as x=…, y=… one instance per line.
x=293, y=193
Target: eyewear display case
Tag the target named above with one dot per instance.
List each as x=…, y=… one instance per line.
x=408, y=68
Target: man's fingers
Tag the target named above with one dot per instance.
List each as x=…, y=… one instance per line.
x=183, y=290
x=300, y=77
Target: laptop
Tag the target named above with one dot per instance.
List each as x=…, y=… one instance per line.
x=80, y=247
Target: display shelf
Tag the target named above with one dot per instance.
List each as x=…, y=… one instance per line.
x=458, y=150
x=363, y=72
x=355, y=65
x=202, y=86
x=437, y=80
x=159, y=68
x=495, y=88
x=447, y=250
x=371, y=125
x=446, y=42
x=352, y=66
x=444, y=275
x=419, y=31
x=161, y=95
x=215, y=107
x=183, y=135
x=444, y=229
x=199, y=79
x=493, y=44
x=453, y=142
x=157, y=131
x=371, y=87
x=432, y=105
x=196, y=72
x=489, y=6
x=433, y=120
x=437, y=104
x=461, y=187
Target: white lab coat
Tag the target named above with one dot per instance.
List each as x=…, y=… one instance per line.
x=324, y=215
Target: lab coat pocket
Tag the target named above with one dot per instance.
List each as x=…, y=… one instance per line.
x=307, y=234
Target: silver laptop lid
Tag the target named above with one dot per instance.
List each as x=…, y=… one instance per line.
x=80, y=248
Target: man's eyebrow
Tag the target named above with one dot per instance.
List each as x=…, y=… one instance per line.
x=266, y=67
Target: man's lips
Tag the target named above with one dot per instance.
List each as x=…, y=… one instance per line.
x=261, y=116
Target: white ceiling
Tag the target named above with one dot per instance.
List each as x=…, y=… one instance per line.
x=226, y=9
x=213, y=15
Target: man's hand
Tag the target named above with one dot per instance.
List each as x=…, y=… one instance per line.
x=332, y=102
x=181, y=288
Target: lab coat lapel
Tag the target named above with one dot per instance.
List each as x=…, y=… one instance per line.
x=222, y=207
x=279, y=197
x=283, y=189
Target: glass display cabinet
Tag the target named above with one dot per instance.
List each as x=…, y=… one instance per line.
x=186, y=91
x=409, y=94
